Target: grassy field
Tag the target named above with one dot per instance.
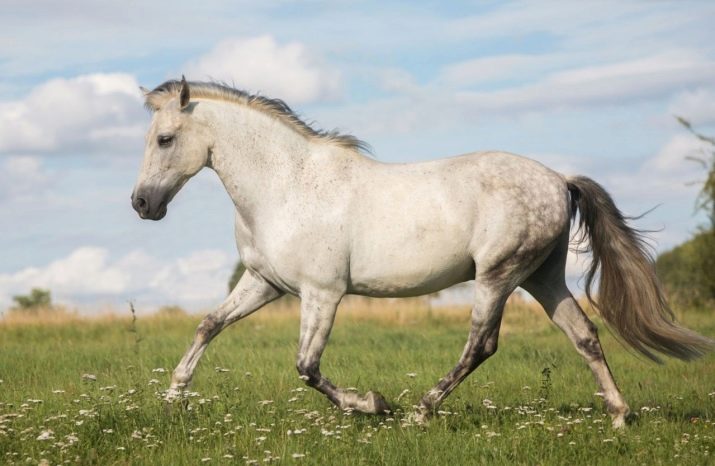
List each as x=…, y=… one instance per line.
x=88, y=391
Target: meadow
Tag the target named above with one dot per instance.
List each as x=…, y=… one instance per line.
x=88, y=391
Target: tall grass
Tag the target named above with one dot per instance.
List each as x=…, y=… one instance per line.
x=87, y=390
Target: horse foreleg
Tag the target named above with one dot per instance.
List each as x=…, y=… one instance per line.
x=249, y=295
x=317, y=315
x=482, y=343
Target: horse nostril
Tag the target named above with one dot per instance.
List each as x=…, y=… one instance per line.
x=140, y=205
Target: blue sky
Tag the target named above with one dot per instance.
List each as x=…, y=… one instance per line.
x=585, y=87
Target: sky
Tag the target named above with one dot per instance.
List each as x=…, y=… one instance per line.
x=586, y=88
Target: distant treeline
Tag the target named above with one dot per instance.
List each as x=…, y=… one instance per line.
x=688, y=271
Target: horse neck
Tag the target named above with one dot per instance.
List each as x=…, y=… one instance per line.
x=256, y=156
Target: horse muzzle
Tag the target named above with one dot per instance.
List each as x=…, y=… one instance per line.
x=149, y=205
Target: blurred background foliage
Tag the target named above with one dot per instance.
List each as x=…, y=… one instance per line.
x=688, y=270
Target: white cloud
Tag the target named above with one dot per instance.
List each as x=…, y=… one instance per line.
x=88, y=112
x=84, y=272
x=493, y=68
x=260, y=64
x=666, y=177
x=696, y=106
x=88, y=275
x=608, y=84
x=671, y=159
x=458, y=93
x=397, y=80
x=21, y=177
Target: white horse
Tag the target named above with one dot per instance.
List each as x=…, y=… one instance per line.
x=318, y=219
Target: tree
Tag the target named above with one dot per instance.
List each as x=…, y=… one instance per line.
x=687, y=270
x=706, y=197
x=38, y=298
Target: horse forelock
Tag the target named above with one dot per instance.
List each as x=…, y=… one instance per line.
x=275, y=108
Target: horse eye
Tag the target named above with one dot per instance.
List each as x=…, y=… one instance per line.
x=165, y=140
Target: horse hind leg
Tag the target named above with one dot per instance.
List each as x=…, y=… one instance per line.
x=548, y=286
x=317, y=315
x=481, y=344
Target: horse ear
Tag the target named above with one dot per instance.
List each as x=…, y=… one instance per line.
x=184, y=95
x=144, y=90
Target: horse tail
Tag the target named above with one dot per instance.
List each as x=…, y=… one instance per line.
x=630, y=296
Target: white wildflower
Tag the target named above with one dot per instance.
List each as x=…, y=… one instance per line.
x=46, y=435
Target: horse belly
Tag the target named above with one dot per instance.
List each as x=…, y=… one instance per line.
x=400, y=270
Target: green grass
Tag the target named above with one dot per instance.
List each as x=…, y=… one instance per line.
x=508, y=412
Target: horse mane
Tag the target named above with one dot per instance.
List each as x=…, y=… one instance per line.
x=275, y=108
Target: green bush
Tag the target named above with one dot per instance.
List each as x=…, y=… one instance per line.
x=688, y=271
x=38, y=298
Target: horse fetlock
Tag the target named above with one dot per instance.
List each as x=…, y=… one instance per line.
x=370, y=403
x=173, y=394
x=180, y=378
x=420, y=416
x=619, y=412
x=376, y=403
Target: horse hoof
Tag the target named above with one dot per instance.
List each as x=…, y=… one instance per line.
x=172, y=395
x=621, y=418
x=376, y=403
x=619, y=422
x=417, y=418
x=174, y=400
